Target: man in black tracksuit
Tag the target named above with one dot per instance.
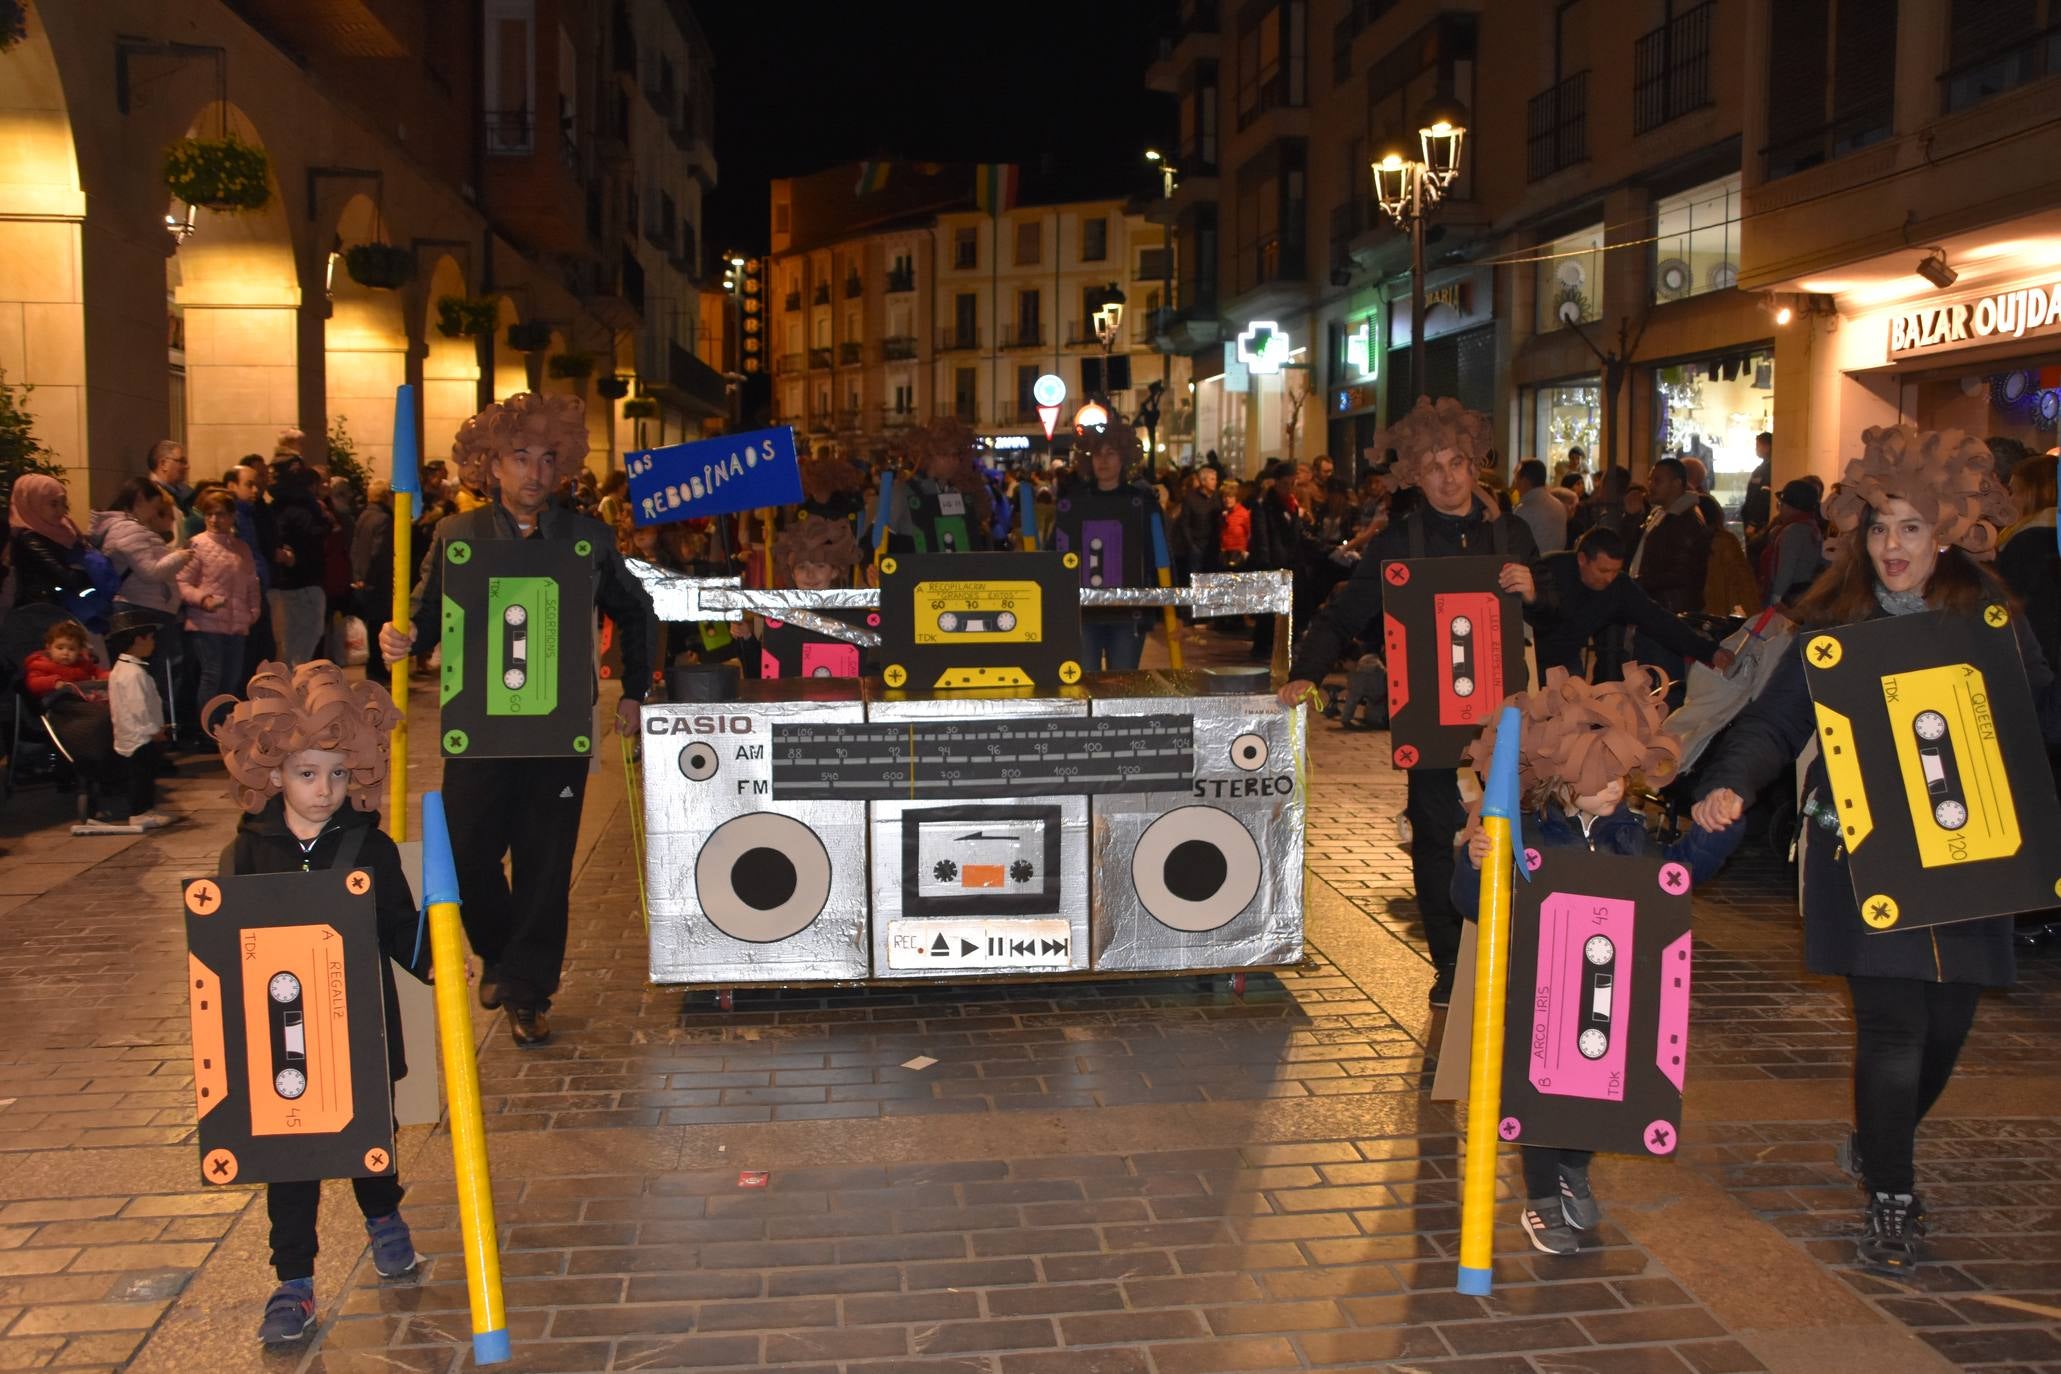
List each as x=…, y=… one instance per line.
x=1451, y=520
x=527, y=809
x=1584, y=591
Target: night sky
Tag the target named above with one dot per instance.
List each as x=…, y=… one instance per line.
x=1057, y=87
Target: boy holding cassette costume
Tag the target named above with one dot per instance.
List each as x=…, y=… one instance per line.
x=946, y=506
x=813, y=554
x=1115, y=527
x=1438, y=447
x=297, y=750
x=1579, y=747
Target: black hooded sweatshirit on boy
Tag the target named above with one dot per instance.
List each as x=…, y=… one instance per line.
x=263, y=844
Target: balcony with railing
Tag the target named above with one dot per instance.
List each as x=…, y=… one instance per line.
x=819, y=357
x=788, y=362
x=2020, y=61
x=1800, y=150
x=854, y=286
x=901, y=281
x=1023, y=334
x=967, y=412
x=891, y=418
x=898, y=348
x=533, y=180
x=1273, y=258
x=850, y=353
x=821, y=295
x=1557, y=126
x=792, y=301
x=958, y=338
x=1671, y=69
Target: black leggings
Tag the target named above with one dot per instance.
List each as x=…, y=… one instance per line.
x=293, y=1207
x=1542, y=1168
x=1908, y=1033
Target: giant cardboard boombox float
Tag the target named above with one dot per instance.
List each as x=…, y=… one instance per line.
x=845, y=829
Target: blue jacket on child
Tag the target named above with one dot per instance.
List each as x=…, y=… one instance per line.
x=1621, y=832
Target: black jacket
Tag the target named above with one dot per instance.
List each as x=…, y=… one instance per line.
x=303, y=526
x=263, y=844
x=617, y=592
x=1421, y=533
x=1762, y=745
x=1196, y=526
x=1278, y=534
x=1568, y=615
x=1676, y=557
x=44, y=570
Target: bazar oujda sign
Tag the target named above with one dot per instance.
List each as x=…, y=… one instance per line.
x=2013, y=314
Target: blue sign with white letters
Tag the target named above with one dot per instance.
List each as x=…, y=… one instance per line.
x=720, y=476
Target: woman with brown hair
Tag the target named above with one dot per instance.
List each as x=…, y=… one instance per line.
x=1913, y=510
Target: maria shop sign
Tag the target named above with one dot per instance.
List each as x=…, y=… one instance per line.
x=2014, y=314
x=1449, y=306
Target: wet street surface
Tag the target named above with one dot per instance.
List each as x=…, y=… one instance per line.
x=1096, y=1177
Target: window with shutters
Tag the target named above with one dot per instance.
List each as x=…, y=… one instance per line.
x=1273, y=58
x=1831, y=90
x=1029, y=243
x=1996, y=45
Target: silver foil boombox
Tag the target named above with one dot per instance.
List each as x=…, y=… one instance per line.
x=837, y=831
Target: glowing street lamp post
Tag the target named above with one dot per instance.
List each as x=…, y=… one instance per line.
x=1407, y=188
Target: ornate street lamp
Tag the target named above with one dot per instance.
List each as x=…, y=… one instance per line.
x=1408, y=182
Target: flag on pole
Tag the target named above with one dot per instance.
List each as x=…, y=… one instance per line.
x=995, y=185
x=872, y=177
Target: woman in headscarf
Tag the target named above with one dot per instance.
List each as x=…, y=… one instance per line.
x=1913, y=512
x=44, y=547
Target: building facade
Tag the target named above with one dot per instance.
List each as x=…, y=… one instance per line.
x=1676, y=225
x=487, y=143
x=885, y=315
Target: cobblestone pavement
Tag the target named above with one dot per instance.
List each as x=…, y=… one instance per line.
x=1092, y=1178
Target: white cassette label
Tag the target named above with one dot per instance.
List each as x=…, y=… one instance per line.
x=979, y=944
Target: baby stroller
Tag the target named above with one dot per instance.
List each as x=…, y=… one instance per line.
x=70, y=741
x=1713, y=700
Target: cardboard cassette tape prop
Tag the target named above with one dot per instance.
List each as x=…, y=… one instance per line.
x=1454, y=645
x=1933, y=751
x=980, y=620
x=289, y=1027
x=1597, y=1038
x=518, y=645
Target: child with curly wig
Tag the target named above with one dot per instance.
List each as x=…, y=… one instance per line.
x=304, y=745
x=1580, y=746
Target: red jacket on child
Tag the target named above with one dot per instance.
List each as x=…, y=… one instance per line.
x=44, y=675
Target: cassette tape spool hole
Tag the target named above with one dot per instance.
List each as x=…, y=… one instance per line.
x=1196, y=869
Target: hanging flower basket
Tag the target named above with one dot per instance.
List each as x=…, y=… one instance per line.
x=640, y=408
x=14, y=22
x=380, y=266
x=612, y=387
x=467, y=317
x=571, y=365
x=225, y=175
x=529, y=338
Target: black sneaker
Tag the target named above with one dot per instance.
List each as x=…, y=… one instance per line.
x=1442, y=987
x=1545, y=1226
x=1577, y=1203
x=289, y=1313
x=1890, y=1235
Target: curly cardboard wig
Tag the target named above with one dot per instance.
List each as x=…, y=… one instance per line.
x=1117, y=432
x=827, y=475
x=1947, y=475
x=316, y=708
x=814, y=541
x=950, y=437
x=1579, y=737
x=525, y=420
x=1432, y=427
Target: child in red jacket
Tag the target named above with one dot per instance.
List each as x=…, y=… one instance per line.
x=65, y=664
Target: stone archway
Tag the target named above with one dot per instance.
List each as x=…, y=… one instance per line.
x=450, y=367
x=42, y=284
x=364, y=344
x=235, y=286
